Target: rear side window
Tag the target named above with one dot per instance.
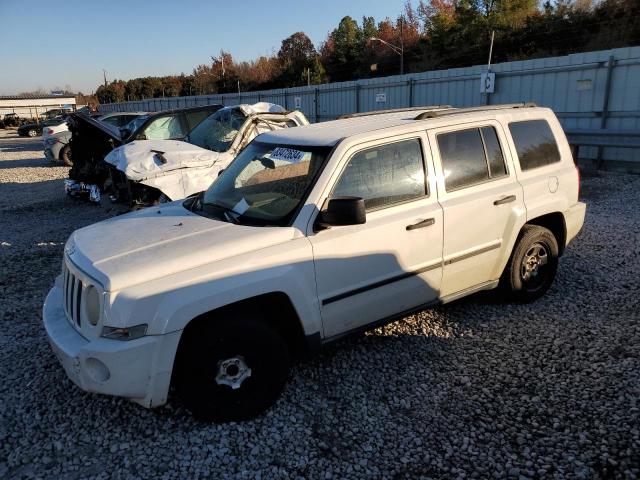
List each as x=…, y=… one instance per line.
x=384, y=175
x=470, y=156
x=535, y=143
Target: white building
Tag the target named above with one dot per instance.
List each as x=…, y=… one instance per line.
x=35, y=106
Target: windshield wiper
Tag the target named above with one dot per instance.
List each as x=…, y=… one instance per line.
x=230, y=214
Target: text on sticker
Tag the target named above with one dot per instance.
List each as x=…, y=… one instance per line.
x=287, y=154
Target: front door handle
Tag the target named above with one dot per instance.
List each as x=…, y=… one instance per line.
x=509, y=199
x=423, y=223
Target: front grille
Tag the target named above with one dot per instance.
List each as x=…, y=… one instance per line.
x=72, y=290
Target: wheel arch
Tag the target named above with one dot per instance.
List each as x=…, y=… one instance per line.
x=554, y=222
x=274, y=308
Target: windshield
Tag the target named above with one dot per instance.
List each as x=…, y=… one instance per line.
x=264, y=185
x=218, y=131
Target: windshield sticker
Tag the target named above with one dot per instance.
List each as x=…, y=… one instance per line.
x=241, y=207
x=287, y=154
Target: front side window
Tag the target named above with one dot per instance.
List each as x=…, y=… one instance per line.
x=264, y=185
x=535, y=143
x=218, y=131
x=470, y=157
x=384, y=175
x=164, y=128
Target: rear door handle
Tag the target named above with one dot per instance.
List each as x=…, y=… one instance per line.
x=509, y=199
x=424, y=223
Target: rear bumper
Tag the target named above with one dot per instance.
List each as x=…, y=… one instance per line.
x=52, y=152
x=49, y=154
x=138, y=369
x=574, y=220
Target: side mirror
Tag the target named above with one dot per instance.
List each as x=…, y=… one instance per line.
x=343, y=211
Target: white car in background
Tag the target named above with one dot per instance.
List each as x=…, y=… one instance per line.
x=53, y=129
x=175, y=169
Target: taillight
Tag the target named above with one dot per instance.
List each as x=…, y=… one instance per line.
x=49, y=132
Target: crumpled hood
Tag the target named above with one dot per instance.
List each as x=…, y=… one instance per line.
x=140, y=160
x=154, y=242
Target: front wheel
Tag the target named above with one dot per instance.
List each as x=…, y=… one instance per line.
x=32, y=133
x=533, y=264
x=231, y=370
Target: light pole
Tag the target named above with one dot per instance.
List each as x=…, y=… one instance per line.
x=399, y=50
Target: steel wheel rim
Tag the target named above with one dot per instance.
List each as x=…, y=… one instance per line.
x=232, y=372
x=534, y=265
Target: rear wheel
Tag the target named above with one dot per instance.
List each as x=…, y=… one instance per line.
x=65, y=155
x=231, y=370
x=32, y=132
x=533, y=264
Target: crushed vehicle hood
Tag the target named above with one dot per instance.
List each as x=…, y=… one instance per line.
x=156, y=242
x=144, y=159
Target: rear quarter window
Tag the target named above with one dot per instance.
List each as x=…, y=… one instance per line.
x=535, y=144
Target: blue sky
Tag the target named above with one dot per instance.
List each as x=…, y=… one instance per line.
x=68, y=42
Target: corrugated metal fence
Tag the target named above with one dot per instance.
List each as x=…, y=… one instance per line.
x=588, y=91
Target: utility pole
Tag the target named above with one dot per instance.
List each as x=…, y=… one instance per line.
x=401, y=45
x=104, y=75
x=308, y=77
x=490, y=51
x=238, y=87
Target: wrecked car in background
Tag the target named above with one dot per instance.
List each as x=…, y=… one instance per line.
x=156, y=171
x=92, y=140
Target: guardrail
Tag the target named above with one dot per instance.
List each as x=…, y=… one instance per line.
x=601, y=138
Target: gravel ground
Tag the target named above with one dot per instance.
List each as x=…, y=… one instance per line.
x=475, y=389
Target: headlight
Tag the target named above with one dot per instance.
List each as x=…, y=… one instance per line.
x=124, y=333
x=92, y=305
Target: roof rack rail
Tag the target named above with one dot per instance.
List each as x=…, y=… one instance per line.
x=392, y=110
x=456, y=111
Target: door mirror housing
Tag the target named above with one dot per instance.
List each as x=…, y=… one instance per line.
x=343, y=211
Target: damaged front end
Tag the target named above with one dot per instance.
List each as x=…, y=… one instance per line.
x=81, y=189
x=90, y=142
x=91, y=177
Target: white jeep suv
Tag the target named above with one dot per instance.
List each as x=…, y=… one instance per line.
x=310, y=234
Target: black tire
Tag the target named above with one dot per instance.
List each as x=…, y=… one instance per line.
x=526, y=279
x=200, y=368
x=65, y=156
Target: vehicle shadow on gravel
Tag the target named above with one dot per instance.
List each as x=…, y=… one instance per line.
x=15, y=195
x=34, y=162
